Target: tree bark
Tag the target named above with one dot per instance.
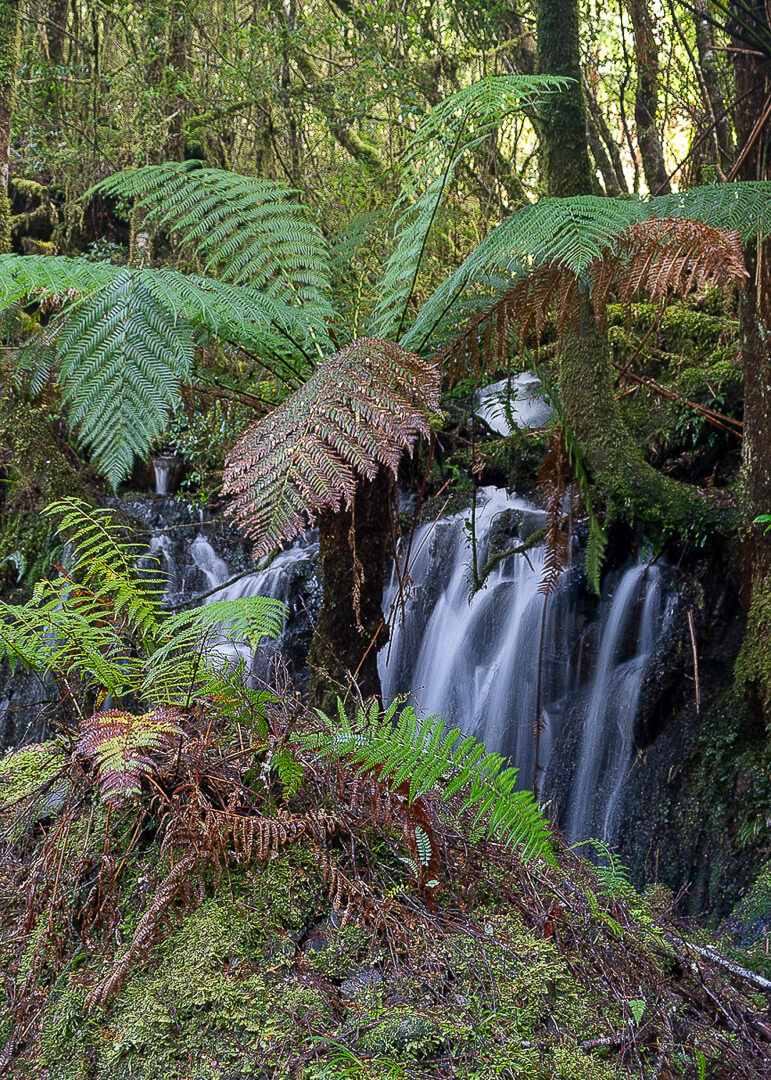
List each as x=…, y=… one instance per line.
x=10, y=12
x=647, y=98
x=350, y=628
x=587, y=393
x=752, y=76
x=566, y=164
x=710, y=76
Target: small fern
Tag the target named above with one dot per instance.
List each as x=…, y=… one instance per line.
x=120, y=745
x=406, y=750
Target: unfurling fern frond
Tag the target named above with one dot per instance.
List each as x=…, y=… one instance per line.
x=454, y=126
x=404, y=749
x=120, y=745
x=248, y=231
x=357, y=413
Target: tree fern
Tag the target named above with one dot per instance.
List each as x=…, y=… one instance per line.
x=360, y=410
x=419, y=753
x=573, y=234
x=123, y=345
x=246, y=230
x=448, y=131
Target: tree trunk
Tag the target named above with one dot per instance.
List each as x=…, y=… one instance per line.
x=623, y=477
x=350, y=629
x=10, y=11
x=647, y=98
x=566, y=164
x=723, y=140
x=752, y=73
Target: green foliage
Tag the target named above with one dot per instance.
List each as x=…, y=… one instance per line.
x=419, y=753
x=123, y=344
x=119, y=745
x=248, y=230
x=101, y=624
x=573, y=233
x=452, y=128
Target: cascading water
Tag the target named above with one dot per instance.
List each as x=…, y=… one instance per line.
x=630, y=629
x=506, y=661
x=278, y=581
x=477, y=663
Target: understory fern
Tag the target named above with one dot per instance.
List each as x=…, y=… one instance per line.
x=101, y=625
x=423, y=756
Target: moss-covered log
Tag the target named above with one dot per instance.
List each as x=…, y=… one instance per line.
x=10, y=13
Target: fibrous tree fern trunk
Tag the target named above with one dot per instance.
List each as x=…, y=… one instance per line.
x=10, y=13
x=350, y=629
x=753, y=129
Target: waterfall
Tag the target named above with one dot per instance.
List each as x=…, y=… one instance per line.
x=629, y=633
x=494, y=664
x=166, y=470
x=278, y=581
x=476, y=662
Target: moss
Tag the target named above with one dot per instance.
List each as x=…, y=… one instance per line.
x=753, y=665
x=23, y=771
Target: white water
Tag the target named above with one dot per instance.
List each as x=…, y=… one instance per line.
x=629, y=635
x=520, y=401
x=166, y=471
x=276, y=582
x=477, y=662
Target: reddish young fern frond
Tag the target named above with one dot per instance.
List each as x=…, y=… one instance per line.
x=121, y=745
x=357, y=413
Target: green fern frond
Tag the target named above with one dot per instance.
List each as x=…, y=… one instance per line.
x=742, y=206
x=407, y=750
x=104, y=558
x=248, y=231
x=452, y=128
x=192, y=647
x=123, y=344
x=359, y=411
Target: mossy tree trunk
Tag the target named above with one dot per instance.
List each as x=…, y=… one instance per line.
x=350, y=629
x=564, y=144
x=617, y=466
x=752, y=73
x=10, y=12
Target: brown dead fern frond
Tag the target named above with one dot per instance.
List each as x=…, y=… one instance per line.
x=659, y=259
x=357, y=413
x=146, y=933
x=555, y=480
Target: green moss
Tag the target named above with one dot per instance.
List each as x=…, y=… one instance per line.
x=24, y=771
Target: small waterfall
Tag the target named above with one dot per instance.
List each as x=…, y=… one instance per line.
x=477, y=662
x=277, y=581
x=494, y=664
x=166, y=470
x=628, y=635
x=214, y=569
x=520, y=401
